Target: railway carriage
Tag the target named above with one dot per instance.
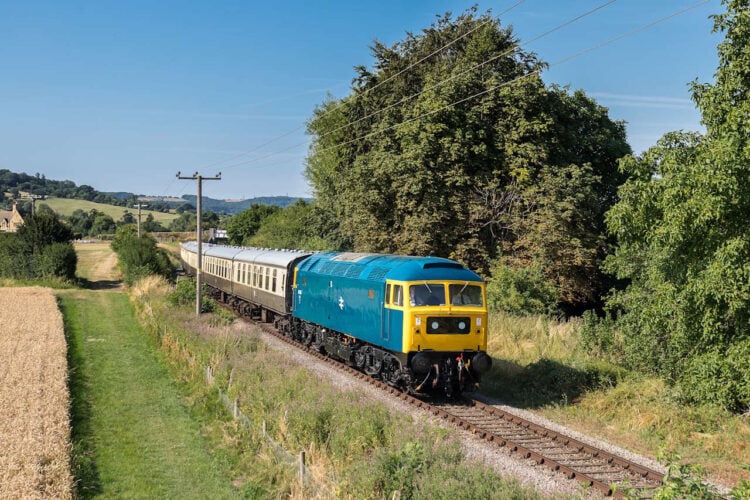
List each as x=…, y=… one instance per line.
x=418, y=323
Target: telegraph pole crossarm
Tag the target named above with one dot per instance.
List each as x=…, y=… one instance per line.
x=199, y=233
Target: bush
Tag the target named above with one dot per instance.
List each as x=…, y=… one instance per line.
x=521, y=290
x=599, y=335
x=139, y=256
x=40, y=249
x=57, y=259
x=184, y=294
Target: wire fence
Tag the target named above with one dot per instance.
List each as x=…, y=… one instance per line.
x=297, y=463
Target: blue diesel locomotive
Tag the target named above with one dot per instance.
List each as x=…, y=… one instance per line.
x=418, y=323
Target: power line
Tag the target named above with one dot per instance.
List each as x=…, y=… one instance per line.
x=432, y=87
x=514, y=80
x=437, y=51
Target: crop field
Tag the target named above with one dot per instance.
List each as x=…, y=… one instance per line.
x=34, y=401
x=66, y=206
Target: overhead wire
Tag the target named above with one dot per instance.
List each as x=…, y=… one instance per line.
x=434, y=86
x=567, y=59
x=366, y=91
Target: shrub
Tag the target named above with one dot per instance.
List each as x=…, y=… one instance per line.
x=40, y=249
x=57, y=259
x=184, y=294
x=139, y=256
x=599, y=335
x=521, y=290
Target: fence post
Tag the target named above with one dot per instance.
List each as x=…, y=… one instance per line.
x=302, y=466
x=396, y=495
x=236, y=410
x=264, y=429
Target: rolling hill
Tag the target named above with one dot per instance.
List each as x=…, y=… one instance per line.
x=66, y=206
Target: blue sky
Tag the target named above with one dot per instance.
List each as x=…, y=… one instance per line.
x=122, y=95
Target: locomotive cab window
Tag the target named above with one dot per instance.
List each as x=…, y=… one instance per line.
x=466, y=295
x=388, y=293
x=398, y=295
x=427, y=295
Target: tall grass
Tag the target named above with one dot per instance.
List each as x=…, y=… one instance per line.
x=542, y=363
x=357, y=448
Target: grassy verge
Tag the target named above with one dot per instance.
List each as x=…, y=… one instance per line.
x=132, y=435
x=355, y=448
x=541, y=364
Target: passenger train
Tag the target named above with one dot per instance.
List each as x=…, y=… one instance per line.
x=418, y=323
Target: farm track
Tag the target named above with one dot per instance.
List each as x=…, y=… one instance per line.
x=608, y=473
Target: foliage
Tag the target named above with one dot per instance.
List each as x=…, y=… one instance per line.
x=57, y=259
x=522, y=290
x=245, y=224
x=184, y=294
x=91, y=223
x=684, y=242
x=38, y=184
x=41, y=248
x=139, y=257
x=466, y=181
x=41, y=230
x=299, y=226
x=687, y=481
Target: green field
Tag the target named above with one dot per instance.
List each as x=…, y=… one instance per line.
x=66, y=206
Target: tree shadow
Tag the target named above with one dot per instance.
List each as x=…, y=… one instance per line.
x=83, y=465
x=101, y=284
x=546, y=382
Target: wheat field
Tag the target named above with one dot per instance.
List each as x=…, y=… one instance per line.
x=34, y=401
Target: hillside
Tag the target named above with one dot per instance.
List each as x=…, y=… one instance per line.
x=237, y=206
x=66, y=206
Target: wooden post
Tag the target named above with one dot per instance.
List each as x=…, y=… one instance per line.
x=302, y=466
x=264, y=429
x=236, y=410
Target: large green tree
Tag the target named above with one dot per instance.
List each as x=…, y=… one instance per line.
x=412, y=174
x=246, y=223
x=684, y=239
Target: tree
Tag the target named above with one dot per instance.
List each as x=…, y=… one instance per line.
x=41, y=230
x=245, y=224
x=298, y=226
x=684, y=242
x=424, y=177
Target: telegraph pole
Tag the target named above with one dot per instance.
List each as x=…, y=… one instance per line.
x=33, y=198
x=139, y=206
x=199, y=232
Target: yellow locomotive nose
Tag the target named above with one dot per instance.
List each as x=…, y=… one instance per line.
x=445, y=316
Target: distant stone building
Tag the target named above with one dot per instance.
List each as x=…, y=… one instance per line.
x=10, y=220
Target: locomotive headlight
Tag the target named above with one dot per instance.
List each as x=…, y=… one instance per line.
x=479, y=321
x=418, y=321
x=461, y=325
x=435, y=325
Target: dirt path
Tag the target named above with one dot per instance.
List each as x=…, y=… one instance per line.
x=97, y=265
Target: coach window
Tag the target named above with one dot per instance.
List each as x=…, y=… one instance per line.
x=255, y=275
x=273, y=283
x=268, y=277
x=283, y=281
x=398, y=295
x=388, y=293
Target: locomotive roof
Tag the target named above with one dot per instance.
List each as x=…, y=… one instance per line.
x=266, y=256
x=379, y=267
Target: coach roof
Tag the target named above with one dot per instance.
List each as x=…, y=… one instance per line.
x=265, y=256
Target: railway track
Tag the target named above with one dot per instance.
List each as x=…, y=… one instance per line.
x=608, y=473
